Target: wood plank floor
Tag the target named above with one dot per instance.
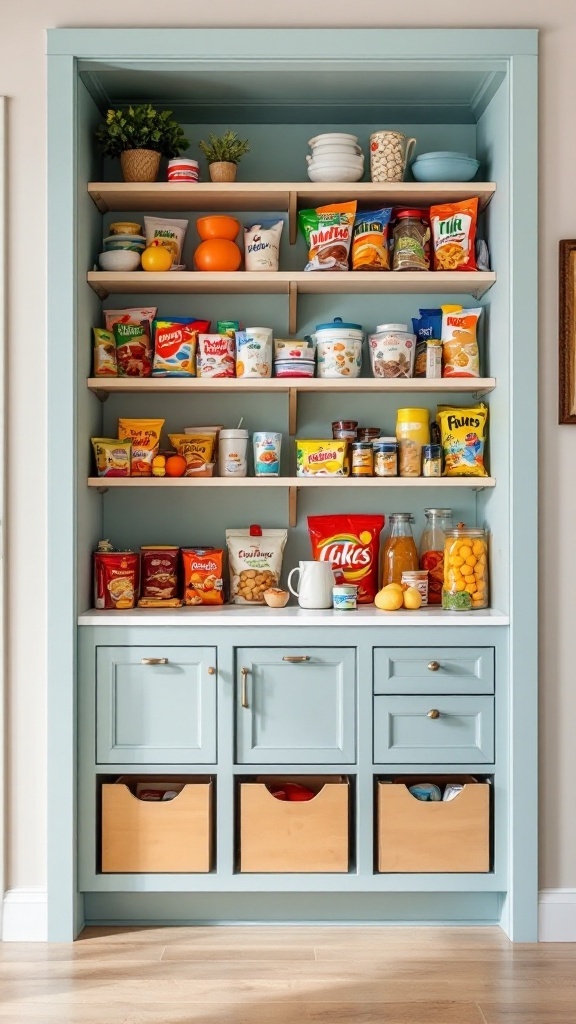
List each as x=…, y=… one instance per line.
x=288, y=975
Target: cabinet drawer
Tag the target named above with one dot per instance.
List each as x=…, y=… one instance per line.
x=295, y=706
x=433, y=670
x=155, y=705
x=405, y=733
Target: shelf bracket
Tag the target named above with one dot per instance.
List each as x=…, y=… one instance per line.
x=293, y=216
x=100, y=202
x=292, y=411
x=102, y=396
x=102, y=490
x=292, y=307
x=101, y=292
x=292, y=506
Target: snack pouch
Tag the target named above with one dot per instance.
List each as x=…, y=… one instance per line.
x=145, y=437
x=175, y=347
x=460, y=355
x=426, y=326
x=321, y=458
x=197, y=449
x=328, y=234
x=132, y=315
x=113, y=457
x=202, y=569
x=255, y=561
x=170, y=233
x=351, y=543
x=463, y=434
x=104, y=353
x=454, y=235
x=159, y=572
x=262, y=245
x=116, y=579
x=133, y=349
x=216, y=355
x=370, y=250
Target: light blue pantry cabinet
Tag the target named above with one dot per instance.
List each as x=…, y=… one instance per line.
x=358, y=704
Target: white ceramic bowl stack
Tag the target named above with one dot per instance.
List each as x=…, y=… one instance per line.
x=335, y=157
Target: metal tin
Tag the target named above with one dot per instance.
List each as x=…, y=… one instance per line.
x=344, y=597
x=362, y=458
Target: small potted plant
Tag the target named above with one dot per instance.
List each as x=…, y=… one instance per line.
x=223, y=154
x=140, y=136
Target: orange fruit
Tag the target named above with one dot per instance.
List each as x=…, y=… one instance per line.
x=175, y=465
x=217, y=254
x=156, y=258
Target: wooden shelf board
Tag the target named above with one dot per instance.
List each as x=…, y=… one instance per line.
x=138, y=282
x=284, y=385
x=267, y=196
x=293, y=482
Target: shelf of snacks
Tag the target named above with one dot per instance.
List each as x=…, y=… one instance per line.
x=103, y=386
x=277, y=196
x=292, y=481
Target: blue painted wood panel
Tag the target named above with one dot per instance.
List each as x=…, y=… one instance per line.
x=297, y=712
x=155, y=705
x=405, y=734
x=434, y=670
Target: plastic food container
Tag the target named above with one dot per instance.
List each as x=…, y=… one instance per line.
x=294, y=368
x=232, y=449
x=344, y=597
x=386, y=456
x=344, y=430
x=267, y=445
x=392, y=350
x=183, y=169
x=417, y=578
x=412, y=433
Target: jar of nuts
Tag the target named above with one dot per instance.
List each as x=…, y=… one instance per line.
x=389, y=154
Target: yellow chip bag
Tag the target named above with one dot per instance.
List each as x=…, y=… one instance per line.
x=197, y=449
x=463, y=433
x=145, y=438
x=321, y=458
x=113, y=457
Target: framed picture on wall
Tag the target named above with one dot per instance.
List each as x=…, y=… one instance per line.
x=567, y=331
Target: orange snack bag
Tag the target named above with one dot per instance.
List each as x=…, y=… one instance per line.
x=202, y=571
x=454, y=235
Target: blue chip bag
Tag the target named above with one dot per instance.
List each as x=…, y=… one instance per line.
x=428, y=325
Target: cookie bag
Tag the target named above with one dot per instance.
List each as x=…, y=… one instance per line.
x=255, y=562
x=328, y=234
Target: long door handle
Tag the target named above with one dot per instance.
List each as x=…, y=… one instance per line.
x=244, y=696
x=154, y=661
x=296, y=658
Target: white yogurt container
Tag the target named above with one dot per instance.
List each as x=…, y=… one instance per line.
x=338, y=348
x=266, y=445
x=232, y=448
x=392, y=351
x=344, y=596
x=254, y=352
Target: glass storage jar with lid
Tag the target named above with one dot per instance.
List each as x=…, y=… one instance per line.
x=412, y=433
x=465, y=569
x=400, y=554
x=438, y=522
x=411, y=240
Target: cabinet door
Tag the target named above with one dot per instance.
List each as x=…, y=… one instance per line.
x=295, y=706
x=433, y=670
x=156, y=705
x=433, y=730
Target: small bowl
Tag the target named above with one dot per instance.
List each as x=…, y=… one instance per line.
x=125, y=227
x=335, y=173
x=218, y=226
x=134, y=243
x=294, y=368
x=119, y=259
x=337, y=137
x=444, y=166
x=276, y=598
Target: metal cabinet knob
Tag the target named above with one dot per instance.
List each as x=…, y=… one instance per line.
x=295, y=658
x=211, y=670
x=154, y=661
x=244, y=697
x=434, y=713
x=433, y=666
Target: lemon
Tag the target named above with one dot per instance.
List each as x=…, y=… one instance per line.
x=156, y=258
x=412, y=598
x=389, y=599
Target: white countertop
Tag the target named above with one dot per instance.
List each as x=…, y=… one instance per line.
x=241, y=615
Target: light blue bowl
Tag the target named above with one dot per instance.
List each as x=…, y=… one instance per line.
x=444, y=166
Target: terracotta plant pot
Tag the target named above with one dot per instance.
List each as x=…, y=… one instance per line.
x=222, y=170
x=140, y=164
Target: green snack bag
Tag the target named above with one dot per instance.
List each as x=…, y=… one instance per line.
x=328, y=234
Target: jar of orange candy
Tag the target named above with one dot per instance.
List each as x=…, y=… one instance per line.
x=465, y=569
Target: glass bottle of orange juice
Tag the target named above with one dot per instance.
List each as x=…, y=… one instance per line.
x=400, y=553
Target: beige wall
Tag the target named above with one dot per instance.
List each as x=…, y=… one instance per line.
x=23, y=79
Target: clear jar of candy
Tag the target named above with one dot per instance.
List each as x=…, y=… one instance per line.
x=465, y=569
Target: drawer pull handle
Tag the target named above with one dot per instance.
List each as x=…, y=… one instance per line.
x=296, y=658
x=154, y=661
x=433, y=666
x=434, y=713
x=244, y=673
x=211, y=670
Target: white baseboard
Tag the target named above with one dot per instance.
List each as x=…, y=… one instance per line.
x=557, y=915
x=25, y=915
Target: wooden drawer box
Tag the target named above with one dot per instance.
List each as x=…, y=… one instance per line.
x=157, y=836
x=280, y=835
x=417, y=835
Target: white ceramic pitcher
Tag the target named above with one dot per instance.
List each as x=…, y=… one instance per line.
x=315, y=584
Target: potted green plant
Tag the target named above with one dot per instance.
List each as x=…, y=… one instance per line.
x=223, y=154
x=140, y=136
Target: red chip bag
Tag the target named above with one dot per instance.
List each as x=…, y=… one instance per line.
x=352, y=545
